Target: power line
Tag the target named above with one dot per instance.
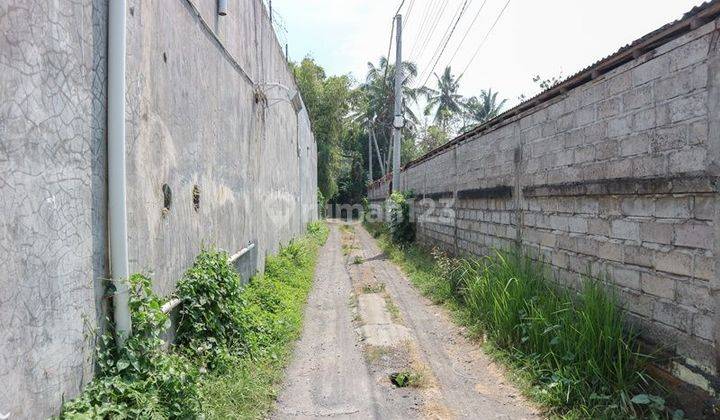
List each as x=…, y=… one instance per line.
x=486, y=37
x=422, y=42
x=467, y=32
x=443, y=40
x=407, y=14
x=428, y=7
x=447, y=40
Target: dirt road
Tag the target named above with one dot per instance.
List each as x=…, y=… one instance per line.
x=364, y=322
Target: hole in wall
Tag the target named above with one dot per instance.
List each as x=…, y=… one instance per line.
x=196, y=197
x=132, y=11
x=167, y=198
x=165, y=57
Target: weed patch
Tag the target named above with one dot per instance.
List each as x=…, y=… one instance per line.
x=374, y=288
x=407, y=378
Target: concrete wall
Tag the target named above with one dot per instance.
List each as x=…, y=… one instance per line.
x=616, y=176
x=192, y=120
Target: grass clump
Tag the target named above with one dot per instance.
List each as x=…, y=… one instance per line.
x=570, y=351
x=407, y=378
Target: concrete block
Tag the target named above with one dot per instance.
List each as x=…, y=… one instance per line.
x=674, y=262
x=650, y=70
x=694, y=235
x=584, y=154
x=609, y=205
x=689, y=54
x=598, y=227
x=618, y=83
x=669, y=138
x=638, y=206
x=688, y=160
x=704, y=207
x=623, y=229
x=646, y=166
x=687, y=107
x=695, y=294
x=644, y=120
x=638, y=255
x=673, y=207
x=609, y=108
x=704, y=326
x=635, y=145
x=660, y=233
x=673, y=314
x=619, y=126
x=606, y=150
x=638, y=98
x=611, y=251
x=626, y=277
x=681, y=83
x=704, y=267
x=698, y=132
x=660, y=286
x=619, y=169
x=577, y=224
x=585, y=115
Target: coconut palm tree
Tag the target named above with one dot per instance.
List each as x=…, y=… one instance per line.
x=375, y=104
x=484, y=107
x=445, y=99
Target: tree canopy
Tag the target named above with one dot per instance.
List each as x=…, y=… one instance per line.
x=345, y=115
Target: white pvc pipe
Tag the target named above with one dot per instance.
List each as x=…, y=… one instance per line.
x=117, y=212
x=240, y=253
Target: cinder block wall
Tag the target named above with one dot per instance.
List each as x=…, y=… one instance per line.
x=616, y=176
x=192, y=120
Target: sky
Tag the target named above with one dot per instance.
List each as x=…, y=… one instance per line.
x=549, y=38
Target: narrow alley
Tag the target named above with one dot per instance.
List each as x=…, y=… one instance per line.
x=364, y=322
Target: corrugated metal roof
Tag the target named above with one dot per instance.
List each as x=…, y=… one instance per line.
x=691, y=20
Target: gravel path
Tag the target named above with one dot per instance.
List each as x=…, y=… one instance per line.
x=343, y=361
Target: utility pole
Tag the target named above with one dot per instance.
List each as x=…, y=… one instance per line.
x=398, y=121
x=377, y=150
x=370, y=158
x=270, y=7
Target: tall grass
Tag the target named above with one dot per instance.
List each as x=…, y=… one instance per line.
x=570, y=349
x=577, y=344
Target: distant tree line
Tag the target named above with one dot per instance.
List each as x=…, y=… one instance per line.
x=344, y=114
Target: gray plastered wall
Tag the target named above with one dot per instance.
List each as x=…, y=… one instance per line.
x=191, y=121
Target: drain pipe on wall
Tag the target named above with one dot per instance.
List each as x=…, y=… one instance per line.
x=117, y=210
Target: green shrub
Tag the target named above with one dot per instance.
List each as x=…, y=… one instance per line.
x=209, y=319
x=400, y=225
x=140, y=380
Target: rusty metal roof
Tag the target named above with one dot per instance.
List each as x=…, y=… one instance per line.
x=691, y=20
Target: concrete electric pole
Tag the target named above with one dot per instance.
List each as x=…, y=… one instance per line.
x=398, y=121
x=370, y=154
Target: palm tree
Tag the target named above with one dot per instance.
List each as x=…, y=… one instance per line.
x=484, y=107
x=445, y=99
x=375, y=106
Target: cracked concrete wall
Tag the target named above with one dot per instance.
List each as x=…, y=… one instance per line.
x=617, y=177
x=192, y=121
x=52, y=215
